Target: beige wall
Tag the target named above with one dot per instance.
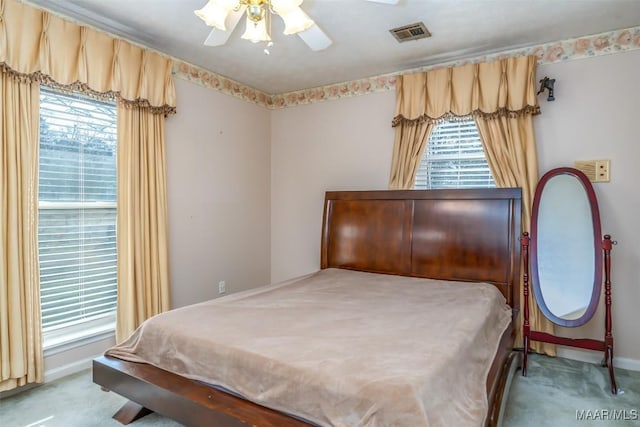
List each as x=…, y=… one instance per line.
x=595, y=116
x=218, y=194
x=346, y=144
x=334, y=145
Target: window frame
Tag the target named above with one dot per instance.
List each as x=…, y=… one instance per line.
x=74, y=333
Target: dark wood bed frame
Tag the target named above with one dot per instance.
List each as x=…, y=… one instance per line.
x=463, y=235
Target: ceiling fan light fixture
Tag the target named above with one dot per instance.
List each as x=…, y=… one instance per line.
x=215, y=13
x=255, y=12
x=225, y=14
x=295, y=20
x=256, y=31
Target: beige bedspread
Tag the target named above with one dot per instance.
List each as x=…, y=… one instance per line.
x=340, y=348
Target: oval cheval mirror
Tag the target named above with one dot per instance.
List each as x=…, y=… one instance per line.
x=567, y=251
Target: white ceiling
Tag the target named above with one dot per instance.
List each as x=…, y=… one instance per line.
x=362, y=45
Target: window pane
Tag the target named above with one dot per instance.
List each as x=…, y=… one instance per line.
x=454, y=158
x=77, y=148
x=77, y=209
x=77, y=264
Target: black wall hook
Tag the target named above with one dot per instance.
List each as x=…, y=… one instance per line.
x=547, y=84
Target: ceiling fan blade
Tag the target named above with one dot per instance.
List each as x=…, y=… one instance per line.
x=217, y=37
x=384, y=1
x=315, y=38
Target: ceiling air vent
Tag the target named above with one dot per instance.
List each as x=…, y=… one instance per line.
x=410, y=32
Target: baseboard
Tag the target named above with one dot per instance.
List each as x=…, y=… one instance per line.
x=68, y=369
x=596, y=358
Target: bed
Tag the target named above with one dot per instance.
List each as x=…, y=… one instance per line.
x=466, y=238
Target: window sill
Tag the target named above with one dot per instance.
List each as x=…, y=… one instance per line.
x=62, y=342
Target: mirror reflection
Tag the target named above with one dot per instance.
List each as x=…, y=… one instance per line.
x=565, y=247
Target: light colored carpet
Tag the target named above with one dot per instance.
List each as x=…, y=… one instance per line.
x=73, y=401
x=557, y=391
x=550, y=396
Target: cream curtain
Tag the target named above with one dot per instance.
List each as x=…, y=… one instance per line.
x=411, y=142
x=59, y=53
x=501, y=96
x=143, y=278
x=412, y=135
x=487, y=90
x=21, y=359
x=509, y=145
x=37, y=47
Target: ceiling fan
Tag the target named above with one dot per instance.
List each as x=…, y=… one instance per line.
x=224, y=15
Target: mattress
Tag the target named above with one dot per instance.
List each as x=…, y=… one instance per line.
x=339, y=347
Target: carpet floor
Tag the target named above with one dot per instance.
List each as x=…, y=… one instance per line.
x=565, y=393
x=557, y=392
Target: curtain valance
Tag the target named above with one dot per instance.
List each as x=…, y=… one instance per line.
x=505, y=87
x=37, y=45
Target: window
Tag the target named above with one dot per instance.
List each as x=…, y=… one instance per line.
x=454, y=158
x=76, y=211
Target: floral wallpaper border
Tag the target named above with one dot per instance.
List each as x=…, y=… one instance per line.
x=211, y=80
x=576, y=48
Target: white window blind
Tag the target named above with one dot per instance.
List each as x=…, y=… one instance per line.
x=454, y=158
x=77, y=209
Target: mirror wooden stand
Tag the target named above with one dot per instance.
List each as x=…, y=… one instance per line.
x=567, y=254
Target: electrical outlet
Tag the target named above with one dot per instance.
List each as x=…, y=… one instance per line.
x=222, y=287
x=602, y=170
x=595, y=170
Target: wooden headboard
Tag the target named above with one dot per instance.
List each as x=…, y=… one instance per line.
x=464, y=235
